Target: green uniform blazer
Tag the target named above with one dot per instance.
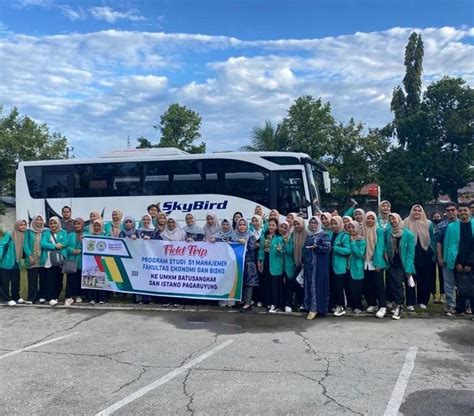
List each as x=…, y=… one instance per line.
x=356, y=262
x=47, y=245
x=289, y=259
x=7, y=253
x=407, y=249
x=451, y=243
x=73, y=244
x=341, y=250
x=275, y=256
x=30, y=246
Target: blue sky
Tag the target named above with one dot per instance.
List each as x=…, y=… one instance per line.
x=98, y=71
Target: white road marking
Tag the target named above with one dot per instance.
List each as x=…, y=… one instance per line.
x=139, y=393
x=398, y=393
x=39, y=344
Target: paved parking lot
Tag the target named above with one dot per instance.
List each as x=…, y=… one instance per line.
x=82, y=361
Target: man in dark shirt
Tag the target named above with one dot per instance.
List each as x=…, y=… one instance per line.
x=448, y=274
x=465, y=260
x=67, y=223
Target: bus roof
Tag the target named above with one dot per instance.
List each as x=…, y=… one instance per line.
x=142, y=155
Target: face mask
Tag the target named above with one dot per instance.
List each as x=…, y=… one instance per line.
x=436, y=221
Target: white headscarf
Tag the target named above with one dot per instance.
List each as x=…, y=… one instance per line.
x=420, y=227
x=176, y=234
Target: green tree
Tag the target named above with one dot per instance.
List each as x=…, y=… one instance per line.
x=144, y=143
x=309, y=126
x=409, y=127
x=267, y=139
x=448, y=109
x=21, y=139
x=354, y=158
x=400, y=181
x=179, y=128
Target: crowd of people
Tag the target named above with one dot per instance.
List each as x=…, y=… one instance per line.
x=370, y=261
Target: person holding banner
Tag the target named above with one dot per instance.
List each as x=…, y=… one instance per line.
x=192, y=230
x=270, y=264
x=147, y=230
x=97, y=295
x=54, y=243
x=225, y=233
x=173, y=231
x=211, y=228
x=160, y=222
x=242, y=235
x=114, y=227
x=129, y=228
x=74, y=254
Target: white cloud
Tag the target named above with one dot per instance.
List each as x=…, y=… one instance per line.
x=97, y=88
x=111, y=16
x=71, y=13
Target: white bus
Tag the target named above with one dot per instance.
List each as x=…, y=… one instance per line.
x=179, y=182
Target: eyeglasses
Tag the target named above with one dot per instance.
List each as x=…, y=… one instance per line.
x=451, y=209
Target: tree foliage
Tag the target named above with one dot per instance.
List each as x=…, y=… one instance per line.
x=179, y=127
x=267, y=138
x=22, y=139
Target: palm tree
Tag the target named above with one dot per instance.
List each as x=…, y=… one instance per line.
x=267, y=139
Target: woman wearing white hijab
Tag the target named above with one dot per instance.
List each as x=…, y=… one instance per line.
x=192, y=230
x=423, y=229
x=211, y=228
x=173, y=232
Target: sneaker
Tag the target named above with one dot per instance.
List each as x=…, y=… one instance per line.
x=20, y=301
x=468, y=311
x=371, y=309
x=451, y=312
x=92, y=302
x=101, y=302
x=411, y=308
x=68, y=302
x=422, y=306
x=357, y=311
x=53, y=302
x=29, y=302
x=11, y=303
x=311, y=316
x=42, y=300
x=259, y=304
x=288, y=309
x=78, y=299
x=222, y=303
x=301, y=308
x=333, y=309
x=339, y=311
x=272, y=309
x=397, y=313
x=390, y=305
x=381, y=313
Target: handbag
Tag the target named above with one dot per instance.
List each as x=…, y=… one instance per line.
x=55, y=255
x=69, y=266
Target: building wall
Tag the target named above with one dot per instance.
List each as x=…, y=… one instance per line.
x=7, y=220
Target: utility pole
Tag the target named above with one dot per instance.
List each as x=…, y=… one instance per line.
x=69, y=149
x=128, y=142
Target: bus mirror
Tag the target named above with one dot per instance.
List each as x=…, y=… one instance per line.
x=326, y=182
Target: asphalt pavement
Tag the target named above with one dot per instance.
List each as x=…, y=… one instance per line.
x=84, y=361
